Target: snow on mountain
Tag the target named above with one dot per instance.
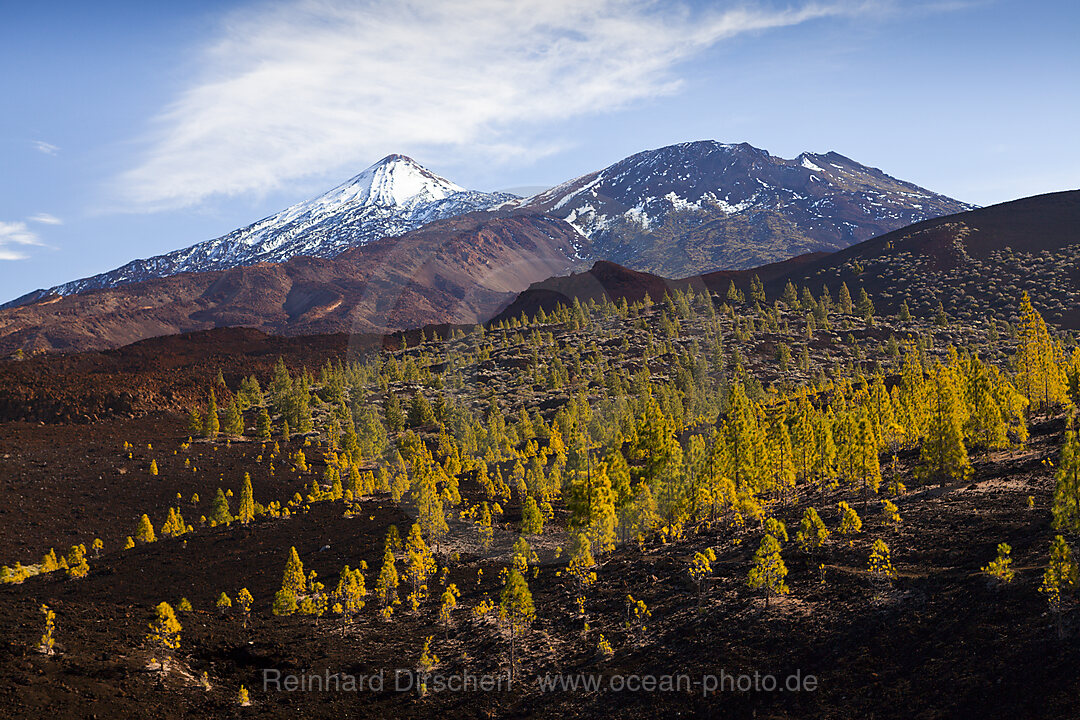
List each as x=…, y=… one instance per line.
x=389, y=198
x=700, y=206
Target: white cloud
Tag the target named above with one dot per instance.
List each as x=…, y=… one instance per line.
x=18, y=234
x=45, y=148
x=303, y=88
x=45, y=219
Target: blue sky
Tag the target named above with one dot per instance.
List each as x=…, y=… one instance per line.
x=132, y=128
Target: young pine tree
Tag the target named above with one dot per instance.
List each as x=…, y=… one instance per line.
x=419, y=566
x=516, y=609
x=999, y=570
x=701, y=568
x=144, y=532
x=449, y=601
x=263, y=426
x=812, y=532
x=349, y=595
x=45, y=645
x=211, y=424
x=244, y=600
x=219, y=510
x=850, y=522
x=246, y=512
x=769, y=570
x=386, y=587
x=164, y=635
x=532, y=520
x=234, y=420
x=880, y=564
x=1066, y=503
x=1060, y=577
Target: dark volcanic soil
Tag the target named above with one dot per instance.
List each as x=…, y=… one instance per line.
x=938, y=644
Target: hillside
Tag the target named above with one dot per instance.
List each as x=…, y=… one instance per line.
x=973, y=263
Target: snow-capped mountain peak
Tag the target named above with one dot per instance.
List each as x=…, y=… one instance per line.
x=392, y=197
x=394, y=181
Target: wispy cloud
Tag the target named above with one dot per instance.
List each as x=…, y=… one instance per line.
x=13, y=236
x=45, y=148
x=45, y=219
x=306, y=87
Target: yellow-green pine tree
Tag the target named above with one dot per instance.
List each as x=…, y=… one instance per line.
x=1040, y=376
x=246, y=512
x=211, y=424
x=164, y=635
x=516, y=608
x=419, y=566
x=144, y=532
x=769, y=570
x=386, y=586
x=943, y=456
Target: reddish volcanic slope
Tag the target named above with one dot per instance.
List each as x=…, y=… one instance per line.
x=461, y=270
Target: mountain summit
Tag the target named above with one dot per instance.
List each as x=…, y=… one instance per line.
x=392, y=197
x=699, y=206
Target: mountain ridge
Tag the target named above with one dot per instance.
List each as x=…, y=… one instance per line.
x=693, y=207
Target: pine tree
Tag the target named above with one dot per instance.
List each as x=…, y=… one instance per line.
x=1039, y=376
x=219, y=510
x=449, y=601
x=944, y=456
x=430, y=512
x=891, y=515
x=386, y=587
x=234, y=420
x=1000, y=568
x=812, y=532
x=850, y=522
x=880, y=564
x=580, y=569
x=517, y=610
x=211, y=424
x=844, y=299
x=174, y=525
x=144, y=533
x=45, y=645
x=246, y=512
x=195, y=423
x=701, y=568
x=77, y=566
x=532, y=520
x=1066, y=503
x=742, y=442
x=419, y=566
x=349, y=595
x=293, y=578
x=244, y=600
x=769, y=570
x=867, y=465
x=1060, y=577
x=865, y=307
x=164, y=635
x=263, y=427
